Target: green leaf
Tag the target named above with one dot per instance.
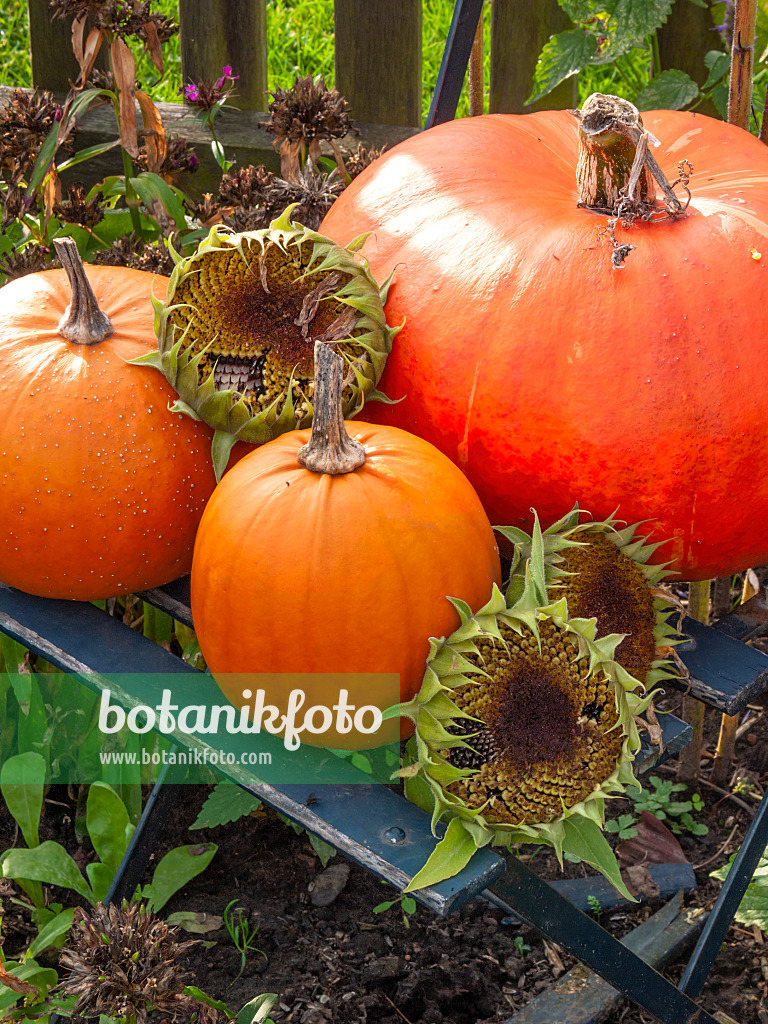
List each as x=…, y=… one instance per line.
x=719, y=65
x=323, y=850
x=151, y=187
x=670, y=90
x=22, y=782
x=175, y=870
x=221, y=447
x=49, y=935
x=108, y=824
x=203, y=997
x=227, y=802
x=448, y=858
x=256, y=1011
x=381, y=907
x=48, y=863
x=409, y=905
x=198, y=923
x=563, y=55
x=631, y=22
x=584, y=839
x=753, y=908
x=85, y=154
x=44, y=158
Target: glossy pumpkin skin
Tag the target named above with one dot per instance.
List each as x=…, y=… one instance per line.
x=548, y=376
x=301, y=572
x=101, y=487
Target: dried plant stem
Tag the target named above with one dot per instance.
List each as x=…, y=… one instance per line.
x=725, y=746
x=742, y=59
x=330, y=449
x=83, y=323
x=721, y=597
x=693, y=710
x=476, y=77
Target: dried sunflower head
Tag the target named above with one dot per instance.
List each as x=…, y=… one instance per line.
x=236, y=333
x=604, y=570
x=525, y=725
x=123, y=962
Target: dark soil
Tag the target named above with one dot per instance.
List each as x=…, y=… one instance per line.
x=347, y=964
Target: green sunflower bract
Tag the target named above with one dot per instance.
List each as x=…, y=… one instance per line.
x=604, y=570
x=525, y=725
x=236, y=332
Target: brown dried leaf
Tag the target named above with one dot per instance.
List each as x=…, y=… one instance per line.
x=15, y=984
x=290, y=163
x=154, y=47
x=639, y=882
x=653, y=844
x=78, y=31
x=557, y=965
x=651, y=725
x=124, y=70
x=154, y=132
x=91, y=52
x=51, y=193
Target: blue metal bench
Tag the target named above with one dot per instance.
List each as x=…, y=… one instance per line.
x=376, y=827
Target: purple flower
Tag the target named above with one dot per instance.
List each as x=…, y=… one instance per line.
x=191, y=92
x=226, y=73
x=192, y=162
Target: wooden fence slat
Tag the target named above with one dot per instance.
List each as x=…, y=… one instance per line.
x=50, y=46
x=378, y=59
x=216, y=33
x=519, y=30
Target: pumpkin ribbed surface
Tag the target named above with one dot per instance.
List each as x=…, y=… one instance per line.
x=101, y=488
x=303, y=572
x=548, y=375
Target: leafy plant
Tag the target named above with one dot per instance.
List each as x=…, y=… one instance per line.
x=521, y=946
x=241, y=933
x=663, y=803
x=594, y=906
x=753, y=908
x=406, y=903
x=109, y=828
x=623, y=826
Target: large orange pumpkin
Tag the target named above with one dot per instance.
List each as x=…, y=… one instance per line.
x=302, y=571
x=547, y=375
x=101, y=487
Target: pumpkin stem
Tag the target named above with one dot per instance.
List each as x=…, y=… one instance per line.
x=615, y=165
x=83, y=323
x=330, y=449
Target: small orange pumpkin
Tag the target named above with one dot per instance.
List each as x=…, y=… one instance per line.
x=101, y=487
x=337, y=558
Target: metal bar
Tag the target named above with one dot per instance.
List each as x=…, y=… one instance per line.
x=727, y=903
x=453, y=67
x=163, y=798
x=580, y=997
x=524, y=894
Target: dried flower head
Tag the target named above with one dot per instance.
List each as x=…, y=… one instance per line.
x=122, y=18
x=245, y=188
x=360, y=159
x=77, y=209
x=180, y=158
x=24, y=123
x=15, y=202
x=133, y=252
x=205, y=95
x=124, y=962
x=30, y=260
x=302, y=116
x=314, y=191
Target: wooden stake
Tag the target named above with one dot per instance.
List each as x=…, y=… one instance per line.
x=476, y=74
x=742, y=59
x=693, y=710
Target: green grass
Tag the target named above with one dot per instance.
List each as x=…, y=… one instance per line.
x=298, y=44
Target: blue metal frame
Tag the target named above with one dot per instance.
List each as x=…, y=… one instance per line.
x=453, y=67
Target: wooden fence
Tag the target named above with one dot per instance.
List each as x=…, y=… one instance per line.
x=377, y=59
